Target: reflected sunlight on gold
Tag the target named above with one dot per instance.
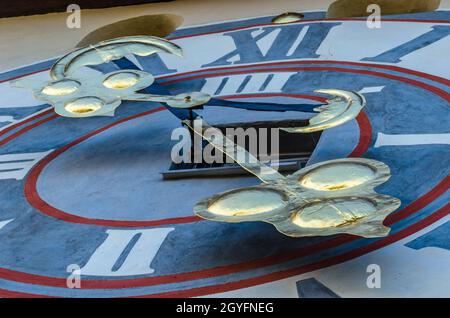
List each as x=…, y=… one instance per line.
x=247, y=202
x=333, y=213
x=337, y=176
x=60, y=88
x=121, y=80
x=84, y=105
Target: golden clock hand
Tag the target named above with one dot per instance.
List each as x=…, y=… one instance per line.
x=184, y=100
x=137, y=97
x=327, y=198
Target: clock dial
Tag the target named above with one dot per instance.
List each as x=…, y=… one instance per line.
x=101, y=195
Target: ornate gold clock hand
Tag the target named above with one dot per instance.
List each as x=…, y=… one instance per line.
x=100, y=95
x=328, y=198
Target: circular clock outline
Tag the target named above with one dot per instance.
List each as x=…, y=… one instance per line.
x=418, y=204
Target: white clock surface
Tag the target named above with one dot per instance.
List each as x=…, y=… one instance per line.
x=89, y=192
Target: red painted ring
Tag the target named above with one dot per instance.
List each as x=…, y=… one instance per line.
x=101, y=284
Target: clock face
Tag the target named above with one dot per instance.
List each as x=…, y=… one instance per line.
x=87, y=195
